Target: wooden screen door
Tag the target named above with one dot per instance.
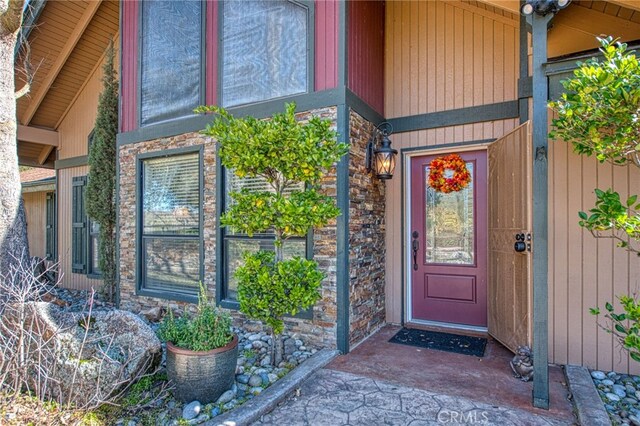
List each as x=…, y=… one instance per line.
x=510, y=218
x=449, y=246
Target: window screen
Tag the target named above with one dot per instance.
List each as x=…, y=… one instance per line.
x=171, y=54
x=171, y=223
x=265, y=54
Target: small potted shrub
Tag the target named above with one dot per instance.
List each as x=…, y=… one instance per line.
x=202, y=352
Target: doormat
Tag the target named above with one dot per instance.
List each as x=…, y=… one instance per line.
x=466, y=345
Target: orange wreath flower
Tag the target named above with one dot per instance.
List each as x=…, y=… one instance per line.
x=460, y=179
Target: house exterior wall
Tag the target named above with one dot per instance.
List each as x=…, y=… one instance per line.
x=366, y=237
x=320, y=331
x=585, y=272
x=74, y=129
x=35, y=206
x=441, y=56
x=366, y=52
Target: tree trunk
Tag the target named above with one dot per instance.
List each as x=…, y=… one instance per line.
x=13, y=231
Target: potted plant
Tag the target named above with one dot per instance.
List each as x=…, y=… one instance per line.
x=202, y=352
x=292, y=157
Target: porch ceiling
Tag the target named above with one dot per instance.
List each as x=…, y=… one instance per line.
x=67, y=43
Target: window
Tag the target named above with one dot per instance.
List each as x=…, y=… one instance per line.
x=265, y=50
x=170, y=243
x=235, y=244
x=171, y=61
x=94, y=249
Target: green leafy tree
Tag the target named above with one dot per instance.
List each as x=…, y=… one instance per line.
x=598, y=115
x=292, y=157
x=101, y=180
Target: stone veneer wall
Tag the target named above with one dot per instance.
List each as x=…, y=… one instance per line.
x=367, y=247
x=320, y=331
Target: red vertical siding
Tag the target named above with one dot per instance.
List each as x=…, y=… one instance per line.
x=212, y=53
x=366, y=52
x=129, y=77
x=326, y=44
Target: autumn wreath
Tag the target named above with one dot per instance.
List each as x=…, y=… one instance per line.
x=458, y=181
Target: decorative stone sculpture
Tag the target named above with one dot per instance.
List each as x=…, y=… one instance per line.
x=522, y=364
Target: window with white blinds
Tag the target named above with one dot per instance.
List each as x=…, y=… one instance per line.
x=171, y=255
x=236, y=244
x=264, y=50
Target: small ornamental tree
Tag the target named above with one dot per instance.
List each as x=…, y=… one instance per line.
x=101, y=179
x=598, y=114
x=292, y=157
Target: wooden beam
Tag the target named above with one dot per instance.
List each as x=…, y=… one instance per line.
x=44, y=154
x=629, y=4
x=512, y=6
x=73, y=39
x=38, y=135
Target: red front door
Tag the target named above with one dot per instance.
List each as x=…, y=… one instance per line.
x=448, y=245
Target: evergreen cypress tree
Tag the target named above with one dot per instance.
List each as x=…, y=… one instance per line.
x=102, y=174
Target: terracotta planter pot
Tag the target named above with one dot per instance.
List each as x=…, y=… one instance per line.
x=202, y=376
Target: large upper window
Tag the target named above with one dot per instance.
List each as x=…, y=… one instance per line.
x=265, y=50
x=235, y=244
x=170, y=236
x=171, y=59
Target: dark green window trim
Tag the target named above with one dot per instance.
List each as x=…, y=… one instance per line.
x=140, y=158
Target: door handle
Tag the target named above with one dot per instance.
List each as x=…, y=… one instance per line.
x=415, y=246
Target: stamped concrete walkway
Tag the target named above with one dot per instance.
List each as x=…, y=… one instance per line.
x=332, y=397
x=382, y=383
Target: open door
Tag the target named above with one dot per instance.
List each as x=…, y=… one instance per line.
x=510, y=222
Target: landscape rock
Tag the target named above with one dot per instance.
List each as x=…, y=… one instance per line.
x=130, y=345
x=598, y=375
x=255, y=380
x=191, y=410
x=226, y=397
x=154, y=314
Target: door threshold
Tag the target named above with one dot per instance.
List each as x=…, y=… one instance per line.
x=445, y=326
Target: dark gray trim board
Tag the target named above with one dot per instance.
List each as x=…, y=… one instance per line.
x=540, y=212
x=67, y=163
x=139, y=290
x=342, y=230
x=195, y=123
x=456, y=117
x=363, y=108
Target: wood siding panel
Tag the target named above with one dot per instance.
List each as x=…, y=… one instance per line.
x=440, y=56
x=129, y=77
x=77, y=124
x=65, y=202
x=326, y=44
x=461, y=57
x=366, y=51
x=35, y=206
x=585, y=272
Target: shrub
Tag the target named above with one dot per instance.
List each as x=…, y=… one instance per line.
x=208, y=329
x=292, y=157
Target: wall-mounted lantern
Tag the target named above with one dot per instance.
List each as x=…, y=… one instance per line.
x=543, y=7
x=382, y=158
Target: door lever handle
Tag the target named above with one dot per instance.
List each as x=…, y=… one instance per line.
x=415, y=246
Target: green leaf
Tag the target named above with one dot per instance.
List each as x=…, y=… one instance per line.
x=582, y=215
x=608, y=306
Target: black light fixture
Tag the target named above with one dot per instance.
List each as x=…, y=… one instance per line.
x=543, y=7
x=381, y=159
